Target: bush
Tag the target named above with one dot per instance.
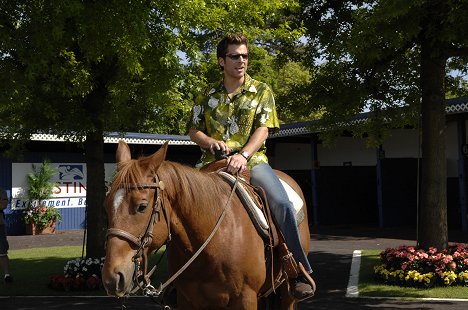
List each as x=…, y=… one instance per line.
x=407, y=266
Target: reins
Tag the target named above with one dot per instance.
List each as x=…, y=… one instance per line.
x=144, y=239
x=202, y=247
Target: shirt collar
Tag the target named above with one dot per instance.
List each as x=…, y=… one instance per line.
x=248, y=86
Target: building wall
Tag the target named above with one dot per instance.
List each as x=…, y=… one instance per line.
x=60, y=152
x=402, y=143
x=346, y=178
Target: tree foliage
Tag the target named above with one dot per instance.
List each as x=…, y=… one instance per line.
x=393, y=59
x=79, y=68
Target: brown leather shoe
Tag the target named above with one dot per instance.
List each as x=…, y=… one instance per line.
x=301, y=289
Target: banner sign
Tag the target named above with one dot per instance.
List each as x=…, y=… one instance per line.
x=70, y=184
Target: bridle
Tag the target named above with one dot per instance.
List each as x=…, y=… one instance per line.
x=143, y=240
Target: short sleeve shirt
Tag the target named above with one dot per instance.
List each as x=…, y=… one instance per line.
x=234, y=120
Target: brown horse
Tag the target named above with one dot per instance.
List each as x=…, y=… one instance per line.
x=152, y=200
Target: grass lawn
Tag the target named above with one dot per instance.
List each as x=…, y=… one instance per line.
x=370, y=288
x=31, y=269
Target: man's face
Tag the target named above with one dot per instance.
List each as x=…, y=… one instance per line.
x=235, y=62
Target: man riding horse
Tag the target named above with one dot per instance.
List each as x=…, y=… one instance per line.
x=235, y=117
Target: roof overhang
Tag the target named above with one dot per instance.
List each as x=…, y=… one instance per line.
x=454, y=106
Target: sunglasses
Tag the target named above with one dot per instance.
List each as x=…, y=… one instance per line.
x=237, y=56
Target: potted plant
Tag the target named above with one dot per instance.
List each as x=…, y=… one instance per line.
x=39, y=217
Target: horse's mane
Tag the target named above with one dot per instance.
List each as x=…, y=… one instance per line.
x=200, y=191
x=189, y=184
x=128, y=173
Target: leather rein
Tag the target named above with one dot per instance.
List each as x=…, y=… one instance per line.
x=144, y=239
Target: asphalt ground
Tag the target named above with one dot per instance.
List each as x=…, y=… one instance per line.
x=331, y=256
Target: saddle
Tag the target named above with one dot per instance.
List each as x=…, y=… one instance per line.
x=254, y=200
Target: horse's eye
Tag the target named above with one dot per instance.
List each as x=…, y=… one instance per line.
x=142, y=207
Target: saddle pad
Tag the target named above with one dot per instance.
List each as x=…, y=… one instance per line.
x=255, y=213
x=253, y=209
x=295, y=200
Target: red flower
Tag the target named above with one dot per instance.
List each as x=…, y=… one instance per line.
x=93, y=282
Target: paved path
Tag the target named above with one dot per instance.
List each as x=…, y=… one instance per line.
x=330, y=256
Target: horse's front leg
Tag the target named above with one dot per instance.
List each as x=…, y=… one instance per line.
x=183, y=303
x=246, y=301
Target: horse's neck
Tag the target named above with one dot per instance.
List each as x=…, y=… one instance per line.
x=194, y=196
x=187, y=187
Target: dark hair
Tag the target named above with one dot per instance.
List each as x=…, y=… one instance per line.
x=233, y=38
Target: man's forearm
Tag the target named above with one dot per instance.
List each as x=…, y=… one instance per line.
x=200, y=138
x=256, y=140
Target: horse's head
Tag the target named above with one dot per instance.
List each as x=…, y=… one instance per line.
x=136, y=224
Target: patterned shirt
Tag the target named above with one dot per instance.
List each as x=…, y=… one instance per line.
x=235, y=120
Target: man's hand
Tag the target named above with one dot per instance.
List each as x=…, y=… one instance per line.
x=236, y=164
x=218, y=145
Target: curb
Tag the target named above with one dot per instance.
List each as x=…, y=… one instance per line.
x=353, y=284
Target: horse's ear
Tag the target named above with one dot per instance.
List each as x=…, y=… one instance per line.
x=123, y=152
x=158, y=157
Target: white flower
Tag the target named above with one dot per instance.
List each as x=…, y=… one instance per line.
x=233, y=127
x=212, y=91
x=196, y=112
x=263, y=118
x=253, y=103
x=252, y=89
x=213, y=102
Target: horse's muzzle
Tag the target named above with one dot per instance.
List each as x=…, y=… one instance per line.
x=117, y=281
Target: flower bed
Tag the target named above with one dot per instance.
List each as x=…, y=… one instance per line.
x=407, y=266
x=78, y=275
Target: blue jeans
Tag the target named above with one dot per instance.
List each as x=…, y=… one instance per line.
x=262, y=175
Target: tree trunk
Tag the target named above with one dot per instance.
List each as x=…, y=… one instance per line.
x=95, y=194
x=432, y=224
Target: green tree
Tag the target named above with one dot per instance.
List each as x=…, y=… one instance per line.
x=393, y=58
x=79, y=68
